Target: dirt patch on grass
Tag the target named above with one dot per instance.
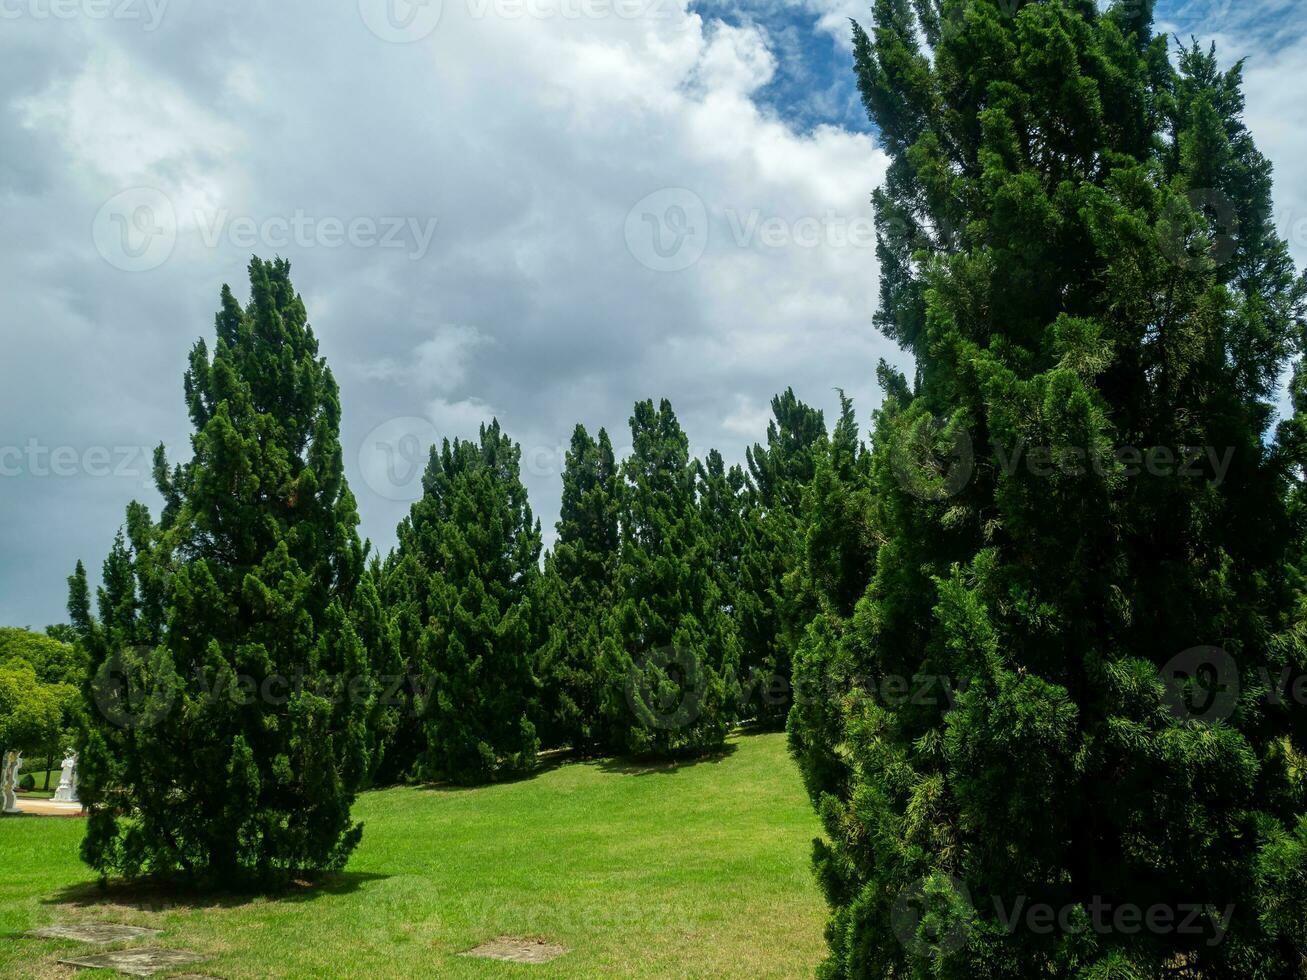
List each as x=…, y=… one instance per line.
x=513, y=949
x=93, y=932
x=136, y=962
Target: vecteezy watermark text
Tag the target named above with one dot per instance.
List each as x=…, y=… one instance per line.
x=36, y=459
x=935, y=460
x=934, y=916
x=134, y=689
x=148, y=12
x=304, y=230
x=137, y=230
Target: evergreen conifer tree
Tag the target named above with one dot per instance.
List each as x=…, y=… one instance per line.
x=229, y=687
x=768, y=607
x=402, y=591
x=79, y=601
x=1076, y=520
x=577, y=593
x=722, y=501
x=469, y=551
x=671, y=649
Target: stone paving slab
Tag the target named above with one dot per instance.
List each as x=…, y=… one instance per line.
x=511, y=949
x=49, y=808
x=144, y=962
x=93, y=932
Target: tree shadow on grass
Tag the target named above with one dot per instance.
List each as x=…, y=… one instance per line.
x=623, y=765
x=639, y=766
x=163, y=896
x=548, y=761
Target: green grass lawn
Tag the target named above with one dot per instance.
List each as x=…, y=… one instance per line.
x=698, y=870
x=41, y=792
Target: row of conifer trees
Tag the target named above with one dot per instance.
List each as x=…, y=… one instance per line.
x=664, y=613
x=253, y=665
x=1076, y=246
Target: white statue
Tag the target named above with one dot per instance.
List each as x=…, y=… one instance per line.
x=67, y=791
x=9, y=779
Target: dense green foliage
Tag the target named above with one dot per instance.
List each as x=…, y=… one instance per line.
x=635, y=615
x=232, y=691
x=769, y=608
x=671, y=649
x=465, y=572
x=577, y=590
x=54, y=661
x=1076, y=246
x=39, y=697
x=1033, y=641
x=722, y=500
x=32, y=714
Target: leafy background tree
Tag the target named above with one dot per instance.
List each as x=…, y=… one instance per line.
x=30, y=712
x=671, y=650
x=467, y=562
x=39, y=697
x=1075, y=245
x=40, y=700
x=232, y=688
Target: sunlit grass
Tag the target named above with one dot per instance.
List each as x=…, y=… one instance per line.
x=697, y=870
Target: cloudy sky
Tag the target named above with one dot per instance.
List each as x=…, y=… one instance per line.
x=540, y=210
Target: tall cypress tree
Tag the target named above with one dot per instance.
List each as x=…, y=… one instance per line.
x=768, y=608
x=79, y=602
x=672, y=651
x=403, y=592
x=379, y=633
x=721, y=492
x=577, y=592
x=231, y=685
x=834, y=562
x=1075, y=246
x=469, y=550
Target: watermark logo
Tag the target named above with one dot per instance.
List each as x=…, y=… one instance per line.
x=931, y=917
x=667, y=231
x=401, y=21
x=149, y=13
x=304, y=230
x=1201, y=684
x=136, y=229
x=933, y=459
x=136, y=687
x=831, y=230
x=1196, y=922
x=665, y=688
x=1179, y=236
x=394, y=456
x=38, y=460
